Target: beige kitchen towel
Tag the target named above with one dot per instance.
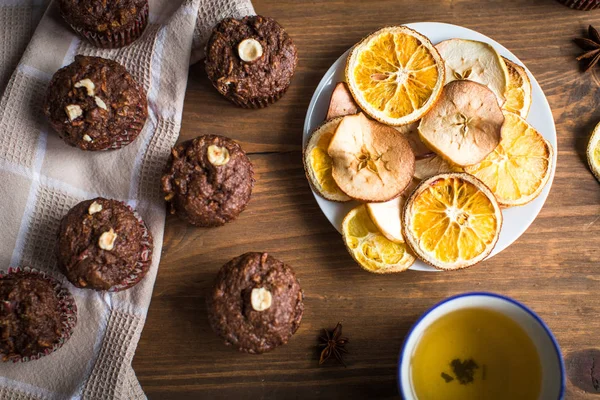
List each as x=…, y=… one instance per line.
x=41, y=178
x=19, y=18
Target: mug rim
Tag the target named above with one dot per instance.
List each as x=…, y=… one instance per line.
x=522, y=306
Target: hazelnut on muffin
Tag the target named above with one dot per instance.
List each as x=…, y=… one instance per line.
x=37, y=315
x=251, y=61
x=106, y=23
x=95, y=104
x=103, y=245
x=208, y=180
x=256, y=303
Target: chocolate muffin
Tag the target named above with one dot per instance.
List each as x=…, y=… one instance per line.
x=37, y=315
x=103, y=245
x=251, y=61
x=208, y=180
x=583, y=5
x=94, y=104
x=256, y=303
x=106, y=23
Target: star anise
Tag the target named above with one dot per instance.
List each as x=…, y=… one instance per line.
x=334, y=345
x=591, y=46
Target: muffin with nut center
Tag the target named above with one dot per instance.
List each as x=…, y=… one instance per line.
x=103, y=245
x=256, y=303
x=208, y=180
x=251, y=61
x=106, y=23
x=95, y=104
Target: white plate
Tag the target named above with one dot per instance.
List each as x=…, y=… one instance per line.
x=516, y=219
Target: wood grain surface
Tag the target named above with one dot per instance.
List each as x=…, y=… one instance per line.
x=554, y=267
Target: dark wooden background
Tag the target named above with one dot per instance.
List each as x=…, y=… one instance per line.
x=554, y=267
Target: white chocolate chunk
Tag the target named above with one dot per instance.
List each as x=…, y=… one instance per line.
x=100, y=103
x=250, y=50
x=87, y=138
x=73, y=111
x=94, y=207
x=88, y=85
x=107, y=240
x=217, y=155
x=261, y=299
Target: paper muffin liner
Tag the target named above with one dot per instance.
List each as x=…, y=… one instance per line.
x=118, y=141
x=260, y=102
x=143, y=264
x=120, y=39
x=68, y=309
x=126, y=137
x=583, y=5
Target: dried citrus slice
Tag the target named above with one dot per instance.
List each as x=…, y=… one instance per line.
x=371, y=161
x=395, y=75
x=386, y=216
x=341, y=102
x=373, y=251
x=452, y=221
x=428, y=167
x=518, y=169
x=593, y=152
x=475, y=61
x=464, y=125
x=518, y=91
x=318, y=164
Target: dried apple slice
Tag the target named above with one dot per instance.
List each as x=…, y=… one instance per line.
x=428, y=167
x=386, y=216
x=411, y=133
x=465, y=125
x=341, y=103
x=477, y=62
x=371, y=161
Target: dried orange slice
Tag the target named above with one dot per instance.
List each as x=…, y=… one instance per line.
x=593, y=152
x=371, y=161
x=518, y=91
x=318, y=164
x=519, y=168
x=395, y=75
x=371, y=249
x=452, y=221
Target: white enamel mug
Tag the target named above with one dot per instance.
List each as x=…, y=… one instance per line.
x=553, y=369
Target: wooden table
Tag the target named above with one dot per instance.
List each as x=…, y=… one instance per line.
x=553, y=267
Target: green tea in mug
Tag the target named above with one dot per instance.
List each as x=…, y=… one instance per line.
x=475, y=353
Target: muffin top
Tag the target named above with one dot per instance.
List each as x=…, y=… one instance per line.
x=102, y=16
x=256, y=303
x=95, y=104
x=102, y=245
x=208, y=180
x=30, y=315
x=251, y=58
